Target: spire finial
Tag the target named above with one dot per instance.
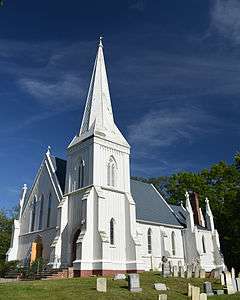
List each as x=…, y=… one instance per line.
x=101, y=41
x=49, y=150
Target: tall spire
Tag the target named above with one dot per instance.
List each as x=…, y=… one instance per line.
x=98, y=110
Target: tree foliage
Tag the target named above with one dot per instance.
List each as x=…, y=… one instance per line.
x=5, y=233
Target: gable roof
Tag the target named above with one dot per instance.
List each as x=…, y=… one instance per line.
x=150, y=205
x=180, y=212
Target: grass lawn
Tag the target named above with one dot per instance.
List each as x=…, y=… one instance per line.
x=85, y=288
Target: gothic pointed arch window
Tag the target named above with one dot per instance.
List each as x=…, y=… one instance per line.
x=111, y=172
x=203, y=244
x=112, y=231
x=173, y=243
x=41, y=213
x=149, y=239
x=33, y=212
x=81, y=174
x=49, y=210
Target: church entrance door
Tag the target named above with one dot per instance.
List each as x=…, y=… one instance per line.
x=74, y=245
x=37, y=249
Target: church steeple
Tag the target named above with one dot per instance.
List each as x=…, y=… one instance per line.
x=98, y=116
x=98, y=110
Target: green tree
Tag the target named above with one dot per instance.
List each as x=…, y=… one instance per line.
x=5, y=233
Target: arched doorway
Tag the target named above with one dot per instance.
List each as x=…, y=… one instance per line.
x=74, y=245
x=37, y=248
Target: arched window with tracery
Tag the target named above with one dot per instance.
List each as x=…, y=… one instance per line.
x=112, y=233
x=81, y=171
x=173, y=243
x=49, y=210
x=33, y=214
x=111, y=172
x=203, y=244
x=149, y=238
x=41, y=214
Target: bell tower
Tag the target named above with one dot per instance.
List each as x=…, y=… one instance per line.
x=100, y=204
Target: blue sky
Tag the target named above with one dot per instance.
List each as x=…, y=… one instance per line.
x=174, y=74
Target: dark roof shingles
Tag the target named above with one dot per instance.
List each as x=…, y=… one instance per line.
x=150, y=206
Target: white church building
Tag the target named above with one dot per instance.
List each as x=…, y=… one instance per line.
x=88, y=214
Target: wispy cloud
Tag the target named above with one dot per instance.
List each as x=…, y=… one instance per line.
x=164, y=128
x=64, y=92
x=225, y=19
x=46, y=71
x=137, y=5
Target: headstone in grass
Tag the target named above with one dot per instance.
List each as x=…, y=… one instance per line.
x=181, y=272
x=197, y=271
x=189, y=290
x=102, y=285
x=175, y=271
x=195, y=293
x=160, y=286
x=234, y=284
x=203, y=296
x=217, y=272
x=207, y=288
x=166, y=270
x=134, y=283
x=119, y=276
x=162, y=297
x=219, y=292
x=238, y=284
x=229, y=283
x=222, y=278
x=202, y=273
x=189, y=271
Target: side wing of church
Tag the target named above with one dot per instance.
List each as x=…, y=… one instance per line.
x=86, y=212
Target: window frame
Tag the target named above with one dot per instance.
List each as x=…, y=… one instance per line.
x=173, y=242
x=149, y=241
x=112, y=232
x=40, y=221
x=49, y=210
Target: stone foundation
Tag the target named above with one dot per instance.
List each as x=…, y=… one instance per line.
x=86, y=273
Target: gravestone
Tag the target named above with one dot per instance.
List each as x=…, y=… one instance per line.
x=175, y=271
x=202, y=273
x=134, y=283
x=222, y=278
x=217, y=272
x=189, y=290
x=166, y=271
x=162, y=297
x=234, y=284
x=233, y=273
x=219, y=292
x=102, y=285
x=238, y=284
x=189, y=271
x=181, y=272
x=119, y=276
x=207, y=288
x=229, y=284
x=197, y=271
x=203, y=296
x=160, y=286
x=195, y=292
